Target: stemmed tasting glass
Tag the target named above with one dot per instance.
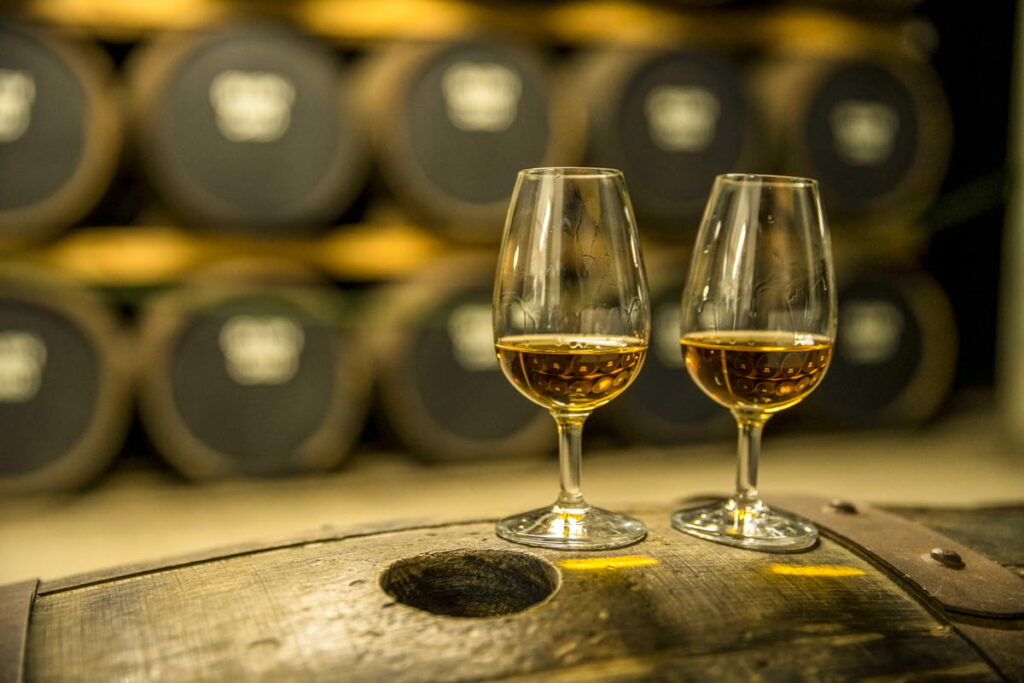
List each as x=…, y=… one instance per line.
x=571, y=328
x=758, y=325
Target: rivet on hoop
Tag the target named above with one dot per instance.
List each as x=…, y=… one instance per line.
x=948, y=558
x=842, y=506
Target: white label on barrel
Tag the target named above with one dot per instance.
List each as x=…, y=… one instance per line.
x=252, y=106
x=682, y=118
x=472, y=335
x=864, y=131
x=666, y=336
x=481, y=96
x=17, y=93
x=22, y=359
x=871, y=331
x=261, y=349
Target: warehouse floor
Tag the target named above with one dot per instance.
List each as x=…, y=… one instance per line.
x=144, y=513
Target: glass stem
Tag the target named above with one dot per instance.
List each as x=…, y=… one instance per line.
x=570, y=456
x=749, y=450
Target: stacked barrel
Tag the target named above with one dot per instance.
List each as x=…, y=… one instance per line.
x=256, y=146
x=60, y=131
x=869, y=119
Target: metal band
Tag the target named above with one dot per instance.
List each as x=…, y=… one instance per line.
x=979, y=587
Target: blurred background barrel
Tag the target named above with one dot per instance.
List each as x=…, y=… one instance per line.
x=872, y=126
x=453, y=122
x=895, y=352
x=248, y=127
x=64, y=383
x=252, y=370
x=671, y=121
x=60, y=131
x=440, y=387
x=663, y=405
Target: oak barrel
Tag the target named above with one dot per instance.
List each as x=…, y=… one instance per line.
x=671, y=120
x=252, y=370
x=453, y=122
x=440, y=388
x=663, y=405
x=451, y=602
x=873, y=127
x=65, y=375
x=896, y=351
x=248, y=127
x=60, y=131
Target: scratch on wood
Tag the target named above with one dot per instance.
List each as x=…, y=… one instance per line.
x=951, y=673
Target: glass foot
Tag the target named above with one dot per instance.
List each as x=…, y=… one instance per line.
x=575, y=528
x=755, y=527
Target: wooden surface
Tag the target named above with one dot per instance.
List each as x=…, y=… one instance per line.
x=579, y=22
x=140, y=255
x=15, y=608
x=668, y=608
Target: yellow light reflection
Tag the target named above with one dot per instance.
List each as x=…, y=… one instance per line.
x=608, y=562
x=814, y=570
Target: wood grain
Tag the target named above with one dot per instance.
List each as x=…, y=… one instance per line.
x=316, y=612
x=15, y=610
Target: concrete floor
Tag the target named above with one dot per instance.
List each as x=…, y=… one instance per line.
x=144, y=513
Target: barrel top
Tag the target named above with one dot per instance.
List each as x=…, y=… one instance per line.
x=339, y=603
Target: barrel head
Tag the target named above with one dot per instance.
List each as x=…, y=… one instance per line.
x=663, y=405
x=63, y=384
x=671, y=121
x=49, y=387
x=862, y=136
x=895, y=351
x=441, y=386
x=249, y=379
x=455, y=122
x=247, y=127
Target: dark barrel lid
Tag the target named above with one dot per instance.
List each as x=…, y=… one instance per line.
x=895, y=351
x=49, y=386
x=59, y=134
x=862, y=134
x=254, y=379
x=462, y=120
x=671, y=121
x=443, y=391
x=248, y=127
x=663, y=405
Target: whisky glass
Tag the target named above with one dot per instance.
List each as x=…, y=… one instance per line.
x=571, y=329
x=757, y=330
